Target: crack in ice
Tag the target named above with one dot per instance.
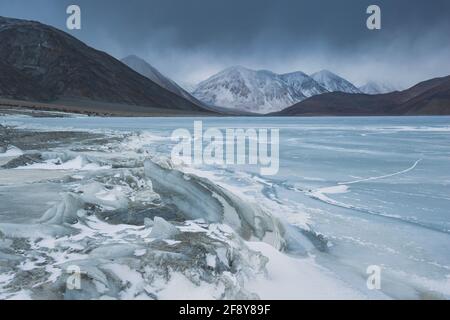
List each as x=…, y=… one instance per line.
x=384, y=176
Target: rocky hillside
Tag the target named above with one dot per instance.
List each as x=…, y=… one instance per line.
x=42, y=63
x=430, y=97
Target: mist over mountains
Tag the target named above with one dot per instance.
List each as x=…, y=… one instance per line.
x=374, y=87
x=144, y=68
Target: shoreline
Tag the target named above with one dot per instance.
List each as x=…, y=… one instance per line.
x=109, y=110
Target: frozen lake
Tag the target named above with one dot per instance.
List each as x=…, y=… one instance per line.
x=375, y=191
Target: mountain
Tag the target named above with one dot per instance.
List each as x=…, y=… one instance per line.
x=144, y=68
x=62, y=68
x=373, y=87
x=430, y=97
x=334, y=83
x=264, y=91
x=259, y=91
x=303, y=83
x=188, y=86
x=244, y=89
x=15, y=85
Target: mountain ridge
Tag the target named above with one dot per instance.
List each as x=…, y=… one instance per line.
x=334, y=83
x=430, y=97
x=144, y=68
x=147, y=70
x=260, y=91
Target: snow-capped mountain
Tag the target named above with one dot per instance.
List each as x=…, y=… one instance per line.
x=144, y=68
x=373, y=87
x=333, y=82
x=259, y=91
x=303, y=83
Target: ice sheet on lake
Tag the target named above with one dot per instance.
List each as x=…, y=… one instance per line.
x=238, y=235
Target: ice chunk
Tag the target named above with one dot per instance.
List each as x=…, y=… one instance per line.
x=148, y=223
x=163, y=229
x=67, y=211
x=200, y=198
x=96, y=193
x=78, y=163
x=33, y=231
x=112, y=251
x=10, y=151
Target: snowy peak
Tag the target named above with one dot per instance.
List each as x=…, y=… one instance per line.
x=334, y=83
x=247, y=90
x=259, y=91
x=300, y=81
x=264, y=91
x=373, y=87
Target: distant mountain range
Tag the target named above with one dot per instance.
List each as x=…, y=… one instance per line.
x=430, y=97
x=244, y=89
x=264, y=91
x=41, y=63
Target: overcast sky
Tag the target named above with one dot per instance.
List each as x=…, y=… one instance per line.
x=190, y=40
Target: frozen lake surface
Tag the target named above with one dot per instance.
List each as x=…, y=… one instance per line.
x=350, y=193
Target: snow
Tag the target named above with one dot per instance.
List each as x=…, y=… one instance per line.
x=292, y=279
x=181, y=288
x=163, y=229
x=373, y=87
x=78, y=163
x=11, y=152
x=321, y=194
x=333, y=82
x=303, y=83
x=334, y=189
x=240, y=88
x=130, y=278
x=140, y=252
x=211, y=261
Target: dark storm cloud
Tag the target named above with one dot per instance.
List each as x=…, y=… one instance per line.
x=190, y=39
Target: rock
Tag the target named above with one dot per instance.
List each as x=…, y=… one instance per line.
x=163, y=229
x=4, y=134
x=23, y=160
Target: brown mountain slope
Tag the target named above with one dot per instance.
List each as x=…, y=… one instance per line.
x=430, y=97
x=62, y=68
x=15, y=85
